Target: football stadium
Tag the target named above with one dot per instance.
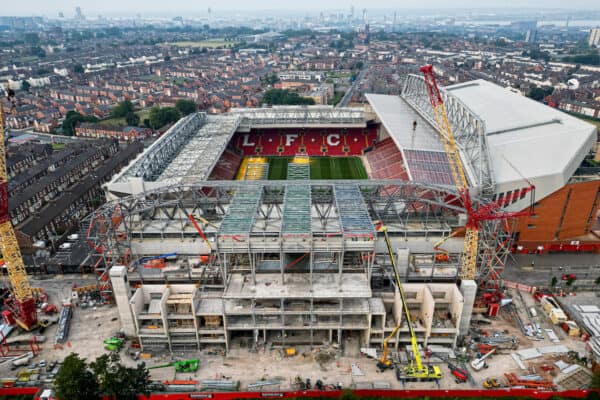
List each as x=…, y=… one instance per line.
x=265, y=224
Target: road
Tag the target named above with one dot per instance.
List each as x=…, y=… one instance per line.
x=544, y=267
x=348, y=96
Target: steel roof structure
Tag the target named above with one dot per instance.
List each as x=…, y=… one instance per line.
x=505, y=140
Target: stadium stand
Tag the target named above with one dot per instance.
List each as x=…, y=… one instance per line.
x=227, y=166
x=385, y=161
x=313, y=142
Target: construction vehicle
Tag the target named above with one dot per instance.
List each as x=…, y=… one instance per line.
x=491, y=383
x=415, y=370
x=489, y=211
x=22, y=302
x=460, y=374
x=181, y=366
x=290, y=351
x=479, y=363
x=113, y=344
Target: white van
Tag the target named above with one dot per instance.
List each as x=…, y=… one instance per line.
x=65, y=246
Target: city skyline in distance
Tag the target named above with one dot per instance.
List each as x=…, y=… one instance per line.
x=153, y=8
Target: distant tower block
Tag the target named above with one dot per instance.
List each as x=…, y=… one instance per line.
x=209, y=15
x=78, y=14
x=364, y=15
x=395, y=21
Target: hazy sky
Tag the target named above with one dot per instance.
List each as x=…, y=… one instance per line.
x=198, y=8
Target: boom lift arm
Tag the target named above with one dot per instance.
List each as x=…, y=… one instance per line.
x=416, y=369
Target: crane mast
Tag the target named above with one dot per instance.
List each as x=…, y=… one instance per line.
x=487, y=212
x=469, y=253
x=24, y=312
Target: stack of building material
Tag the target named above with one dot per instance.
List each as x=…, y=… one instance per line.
x=219, y=385
x=64, y=322
x=529, y=382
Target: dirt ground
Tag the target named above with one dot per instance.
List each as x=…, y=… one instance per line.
x=90, y=326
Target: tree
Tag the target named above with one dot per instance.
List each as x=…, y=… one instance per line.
x=539, y=94
x=132, y=119
x=167, y=58
x=122, y=109
x=554, y=281
x=75, y=381
x=72, y=119
x=185, y=107
x=25, y=85
x=160, y=117
x=120, y=382
x=597, y=281
x=271, y=79
x=285, y=97
x=570, y=281
x=78, y=69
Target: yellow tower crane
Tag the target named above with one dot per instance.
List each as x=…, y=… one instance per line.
x=469, y=254
x=23, y=305
x=486, y=212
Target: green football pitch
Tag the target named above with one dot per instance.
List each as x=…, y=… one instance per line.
x=321, y=168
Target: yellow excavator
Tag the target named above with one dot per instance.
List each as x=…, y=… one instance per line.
x=415, y=371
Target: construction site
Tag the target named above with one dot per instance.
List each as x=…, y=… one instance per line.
x=224, y=268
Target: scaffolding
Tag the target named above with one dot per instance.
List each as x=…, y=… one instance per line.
x=240, y=217
x=353, y=211
x=297, y=202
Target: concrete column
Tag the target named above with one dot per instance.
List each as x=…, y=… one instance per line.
x=120, y=285
x=403, y=257
x=468, y=288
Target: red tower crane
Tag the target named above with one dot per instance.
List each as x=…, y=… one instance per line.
x=475, y=215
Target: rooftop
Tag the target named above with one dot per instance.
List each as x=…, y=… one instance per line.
x=297, y=285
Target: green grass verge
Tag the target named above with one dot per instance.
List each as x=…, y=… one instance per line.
x=144, y=113
x=321, y=168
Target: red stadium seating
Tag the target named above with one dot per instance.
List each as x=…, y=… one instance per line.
x=371, y=136
x=291, y=142
x=385, y=161
x=270, y=141
x=313, y=142
x=227, y=166
x=356, y=141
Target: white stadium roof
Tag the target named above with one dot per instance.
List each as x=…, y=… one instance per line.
x=525, y=139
